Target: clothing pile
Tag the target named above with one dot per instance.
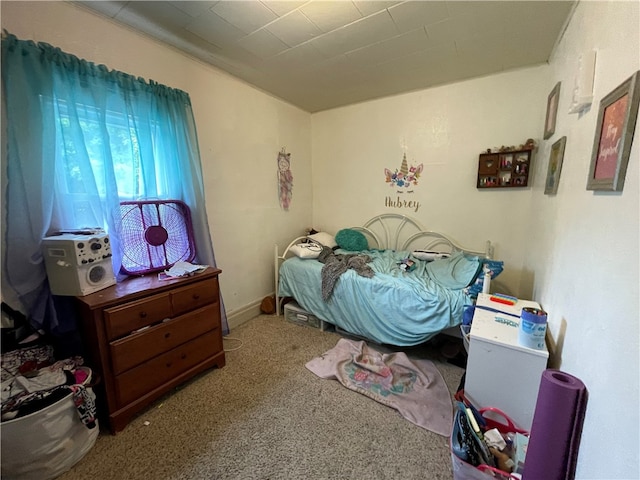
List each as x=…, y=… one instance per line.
x=335, y=265
x=32, y=380
x=48, y=420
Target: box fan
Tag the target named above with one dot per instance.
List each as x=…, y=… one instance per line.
x=155, y=235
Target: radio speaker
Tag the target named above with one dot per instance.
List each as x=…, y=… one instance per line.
x=78, y=264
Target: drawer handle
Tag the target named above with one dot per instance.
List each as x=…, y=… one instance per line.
x=196, y=296
x=169, y=364
x=183, y=356
x=167, y=335
x=143, y=314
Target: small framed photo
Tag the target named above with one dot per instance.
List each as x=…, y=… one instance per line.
x=614, y=134
x=555, y=166
x=506, y=161
x=552, y=111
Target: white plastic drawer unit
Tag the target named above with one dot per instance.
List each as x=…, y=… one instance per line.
x=500, y=372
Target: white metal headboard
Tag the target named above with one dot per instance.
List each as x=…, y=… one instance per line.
x=388, y=229
x=399, y=232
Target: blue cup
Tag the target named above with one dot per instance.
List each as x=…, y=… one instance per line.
x=533, y=328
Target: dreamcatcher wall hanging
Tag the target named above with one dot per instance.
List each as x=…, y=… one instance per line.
x=285, y=178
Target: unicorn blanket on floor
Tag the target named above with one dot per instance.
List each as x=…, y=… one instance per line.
x=413, y=387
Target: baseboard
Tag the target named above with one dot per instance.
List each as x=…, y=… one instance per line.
x=237, y=317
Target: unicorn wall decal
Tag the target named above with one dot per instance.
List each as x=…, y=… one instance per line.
x=405, y=177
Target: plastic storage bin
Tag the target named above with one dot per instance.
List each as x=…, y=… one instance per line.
x=46, y=443
x=295, y=314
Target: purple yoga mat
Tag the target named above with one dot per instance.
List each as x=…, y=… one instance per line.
x=556, y=428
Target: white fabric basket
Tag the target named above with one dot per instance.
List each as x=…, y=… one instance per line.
x=46, y=443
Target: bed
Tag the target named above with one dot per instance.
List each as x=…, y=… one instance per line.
x=419, y=283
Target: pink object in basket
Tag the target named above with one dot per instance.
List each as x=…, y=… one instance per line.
x=155, y=235
x=465, y=471
x=81, y=375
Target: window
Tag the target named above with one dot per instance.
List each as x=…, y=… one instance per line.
x=115, y=141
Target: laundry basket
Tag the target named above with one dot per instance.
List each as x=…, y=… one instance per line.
x=46, y=443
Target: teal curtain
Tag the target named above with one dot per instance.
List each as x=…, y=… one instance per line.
x=80, y=138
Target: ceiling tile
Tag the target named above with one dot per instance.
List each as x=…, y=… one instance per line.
x=483, y=10
x=263, y=44
x=538, y=22
x=331, y=15
x=526, y=47
x=294, y=29
x=410, y=15
x=401, y=66
x=476, y=65
x=339, y=66
x=372, y=29
x=370, y=7
x=338, y=79
x=193, y=8
x=493, y=45
x=297, y=58
x=247, y=16
x=326, y=77
x=281, y=8
x=444, y=71
x=214, y=29
x=399, y=46
x=450, y=70
x=450, y=29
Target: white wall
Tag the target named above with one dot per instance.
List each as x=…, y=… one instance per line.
x=584, y=262
x=240, y=129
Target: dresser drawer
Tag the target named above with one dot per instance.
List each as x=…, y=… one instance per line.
x=140, y=380
x=194, y=296
x=135, y=349
x=125, y=319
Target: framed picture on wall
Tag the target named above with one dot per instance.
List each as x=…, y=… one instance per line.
x=614, y=134
x=552, y=111
x=555, y=166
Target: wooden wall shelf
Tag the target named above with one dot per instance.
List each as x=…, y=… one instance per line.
x=508, y=169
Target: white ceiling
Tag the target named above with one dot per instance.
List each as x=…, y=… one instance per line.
x=324, y=54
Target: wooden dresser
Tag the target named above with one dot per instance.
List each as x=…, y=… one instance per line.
x=145, y=336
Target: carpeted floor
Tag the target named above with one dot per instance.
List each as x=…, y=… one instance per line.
x=265, y=416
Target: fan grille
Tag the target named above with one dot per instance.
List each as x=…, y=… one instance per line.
x=155, y=235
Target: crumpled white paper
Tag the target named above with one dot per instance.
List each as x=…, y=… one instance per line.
x=185, y=269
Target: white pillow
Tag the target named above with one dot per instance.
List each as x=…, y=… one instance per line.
x=306, y=250
x=324, y=238
x=429, y=255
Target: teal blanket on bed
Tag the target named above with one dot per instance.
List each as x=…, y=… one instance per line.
x=393, y=307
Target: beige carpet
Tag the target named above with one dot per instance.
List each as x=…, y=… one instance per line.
x=265, y=416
